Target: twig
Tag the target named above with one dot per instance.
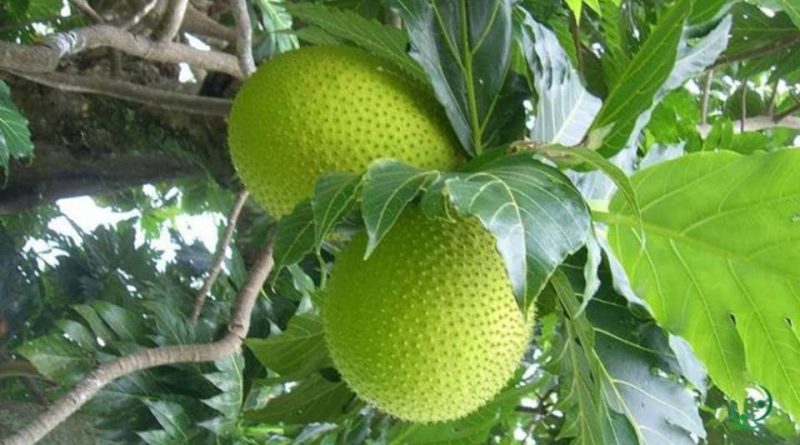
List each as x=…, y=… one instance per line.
x=173, y=19
x=219, y=256
x=744, y=106
x=244, y=37
x=45, y=58
x=149, y=358
x=139, y=16
x=706, y=96
x=773, y=98
x=168, y=100
x=763, y=50
x=756, y=123
x=88, y=10
x=789, y=111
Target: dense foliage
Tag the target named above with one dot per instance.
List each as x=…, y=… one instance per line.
x=633, y=159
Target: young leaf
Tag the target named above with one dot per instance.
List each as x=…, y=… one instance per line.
x=564, y=109
x=333, y=195
x=296, y=352
x=464, y=48
x=388, y=187
x=720, y=265
x=295, y=235
x=534, y=212
x=15, y=137
x=381, y=40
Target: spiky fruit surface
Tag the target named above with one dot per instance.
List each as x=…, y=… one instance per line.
x=322, y=109
x=427, y=328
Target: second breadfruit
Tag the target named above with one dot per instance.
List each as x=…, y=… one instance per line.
x=427, y=328
x=322, y=109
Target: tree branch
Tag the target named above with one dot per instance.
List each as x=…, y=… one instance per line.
x=45, y=58
x=196, y=22
x=219, y=256
x=244, y=37
x=173, y=19
x=185, y=103
x=764, y=50
x=149, y=358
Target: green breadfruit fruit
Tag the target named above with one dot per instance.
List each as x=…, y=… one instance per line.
x=321, y=109
x=427, y=328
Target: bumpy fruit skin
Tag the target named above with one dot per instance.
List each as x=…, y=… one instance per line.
x=427, y=328
x=322, y=109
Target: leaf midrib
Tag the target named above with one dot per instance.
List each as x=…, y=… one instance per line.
x=672, y=234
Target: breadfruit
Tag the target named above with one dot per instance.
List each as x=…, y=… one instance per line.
x=321, y=109
x=426, y=328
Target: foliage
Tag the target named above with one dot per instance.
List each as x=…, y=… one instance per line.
x=612, y=157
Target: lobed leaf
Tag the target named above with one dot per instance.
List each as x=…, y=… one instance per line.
x=720, y=264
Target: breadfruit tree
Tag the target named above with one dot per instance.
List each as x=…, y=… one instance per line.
x=400, y=222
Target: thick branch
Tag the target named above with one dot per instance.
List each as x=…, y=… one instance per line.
x=219, y=256
x=149, y=358
x=244, y=37
x=168, y=100
x=196, y=22
x=173, y=20
x=44, y=58
x=756, y=124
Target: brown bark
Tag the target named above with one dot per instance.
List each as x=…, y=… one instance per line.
x=97, y=145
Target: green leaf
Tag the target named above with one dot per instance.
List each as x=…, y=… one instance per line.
x=660, y=408
x=792, y=8
x=582, y=391
x=295, y=235
x=125, y=324
x=230, y=381
x=333, y=196
x=381, y=40
x=296, y=352
x=388, y=187
x=465, y=50
x=595, y=160
x=634, y=92
x=173, y=419
x=313, y=400
x=720, y=264
x=532, y=209
x=15, y=137
x=58, y=358
x=98, y=326
x=564, y=109
x=276, y=22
